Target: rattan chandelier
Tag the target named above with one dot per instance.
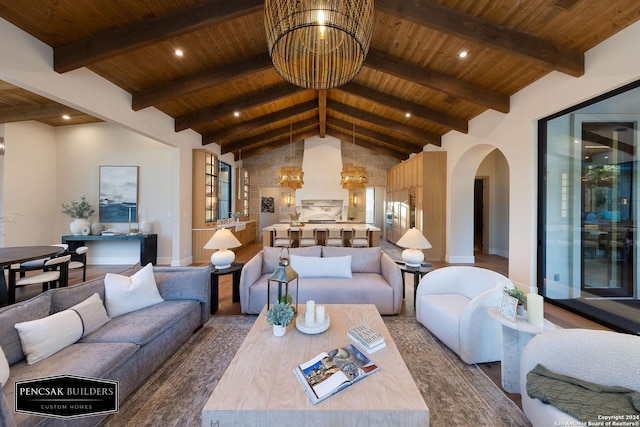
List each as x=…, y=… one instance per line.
x=290, y=176
x=353, y=177
x=318, y=44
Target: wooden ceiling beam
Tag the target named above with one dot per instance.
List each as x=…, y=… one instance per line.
x=503, y=39
x=121, y=40
x=228, y=108
x=200, y=81
x=36, y=112
x=435, y=116
x=322, y=112
x=275, y=133
x=382, y=138
x=345, y=137
x=392, y=125
x=437, y=81
x=250, y=125
x=266, y=147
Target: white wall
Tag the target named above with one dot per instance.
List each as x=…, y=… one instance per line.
x=607, y=66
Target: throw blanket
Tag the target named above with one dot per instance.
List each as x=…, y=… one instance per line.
x=581, y=399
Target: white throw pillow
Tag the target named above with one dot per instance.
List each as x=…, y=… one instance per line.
x=92, y=313
x=125, y=294
x=308, y=266
x=44, y=337
x=4, y=369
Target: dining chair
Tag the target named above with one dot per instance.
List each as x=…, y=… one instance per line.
x=79, y=260
x=334, y=237
x=282, y=237
x=55, y=273
x=359, y=237
x=308, y=237
x=36, y=264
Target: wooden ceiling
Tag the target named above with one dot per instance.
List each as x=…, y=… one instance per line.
x=413, y=65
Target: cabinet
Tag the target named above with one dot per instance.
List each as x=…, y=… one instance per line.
x=416, y=196
x=242, y=195
x=205, y=189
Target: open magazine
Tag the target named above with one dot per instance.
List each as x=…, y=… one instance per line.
x=328, y=373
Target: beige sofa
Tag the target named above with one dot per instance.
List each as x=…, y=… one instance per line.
x=375, y=278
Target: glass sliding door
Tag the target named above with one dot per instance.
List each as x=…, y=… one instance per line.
x=588, y=208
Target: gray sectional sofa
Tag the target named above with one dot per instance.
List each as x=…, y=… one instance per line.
x=128, y=348
x=375, y=278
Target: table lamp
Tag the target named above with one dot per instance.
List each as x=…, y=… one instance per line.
x=414, y=242
x=222, y=240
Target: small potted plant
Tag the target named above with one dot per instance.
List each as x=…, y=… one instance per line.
x=519, y=295
x=279, y=316
x=80, y=213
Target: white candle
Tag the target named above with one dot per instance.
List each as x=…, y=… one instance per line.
x=320, y=313
x=310, y=306
x=309, y=318
x=535, y=309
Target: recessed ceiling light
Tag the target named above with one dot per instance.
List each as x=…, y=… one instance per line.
x=407, y=115
x=236, y=114
x=463, y=54
x=178, y=52
x=66, y=117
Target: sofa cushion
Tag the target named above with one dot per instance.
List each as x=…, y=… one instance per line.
x=92, y=313
x=63, y=298
x=142, y=326
x=307, y=266
x=34, y=308
x=4, y=368
x=41, y=338
x=271, y=256
x=124, y=294
x=363, y=260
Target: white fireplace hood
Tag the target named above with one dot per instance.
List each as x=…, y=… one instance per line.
x=321, y=164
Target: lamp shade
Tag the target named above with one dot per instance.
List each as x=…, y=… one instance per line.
x=413, y=240
x=222, y=240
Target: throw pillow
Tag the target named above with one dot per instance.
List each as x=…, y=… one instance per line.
x=4, y=369
x=125, y=294
x=307, y=266
x=92, y=314
x=44, y=337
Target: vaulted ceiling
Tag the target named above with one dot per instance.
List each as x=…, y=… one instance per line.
x=414, y=86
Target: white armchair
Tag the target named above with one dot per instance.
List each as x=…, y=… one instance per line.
x=601, y=357
x=453, y=303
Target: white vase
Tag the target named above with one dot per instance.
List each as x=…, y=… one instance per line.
x=279, y=330
x=77, y=225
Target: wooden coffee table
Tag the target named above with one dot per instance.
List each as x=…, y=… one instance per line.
x=260, y=388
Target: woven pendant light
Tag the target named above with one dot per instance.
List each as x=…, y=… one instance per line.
x=353, y=177
x=318, y=44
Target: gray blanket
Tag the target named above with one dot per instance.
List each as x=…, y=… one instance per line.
x=581, y=399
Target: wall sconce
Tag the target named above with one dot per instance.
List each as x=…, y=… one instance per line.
x=289, y=199
x=355, y=200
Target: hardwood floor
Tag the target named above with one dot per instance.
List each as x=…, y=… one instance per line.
x=558, y=316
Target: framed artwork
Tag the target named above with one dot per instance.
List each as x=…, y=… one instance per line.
x=508, y=307
x=267, y=205
x=118, y=194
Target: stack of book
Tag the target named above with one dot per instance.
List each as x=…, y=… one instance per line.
x=366, y=338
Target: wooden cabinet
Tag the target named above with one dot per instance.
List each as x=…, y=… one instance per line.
x=205, y=189
x=416, y=196
x=242, y=193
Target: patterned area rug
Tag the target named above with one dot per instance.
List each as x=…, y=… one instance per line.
x=456, y=394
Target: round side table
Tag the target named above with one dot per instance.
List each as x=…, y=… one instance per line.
x=515, y=335
x=418, y=273
x=236, y=270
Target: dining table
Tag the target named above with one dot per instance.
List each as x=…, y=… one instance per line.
x=19, y=254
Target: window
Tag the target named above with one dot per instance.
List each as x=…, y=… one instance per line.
x=588, y=208
x=224, y=190
x=370, y=198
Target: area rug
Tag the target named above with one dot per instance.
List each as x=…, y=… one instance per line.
x=456, y=394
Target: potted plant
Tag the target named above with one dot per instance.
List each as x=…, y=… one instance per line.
x=80, y=213
x=279, y=316
x=519, y=295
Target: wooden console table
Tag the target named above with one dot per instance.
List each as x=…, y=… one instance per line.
x=148, y=244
